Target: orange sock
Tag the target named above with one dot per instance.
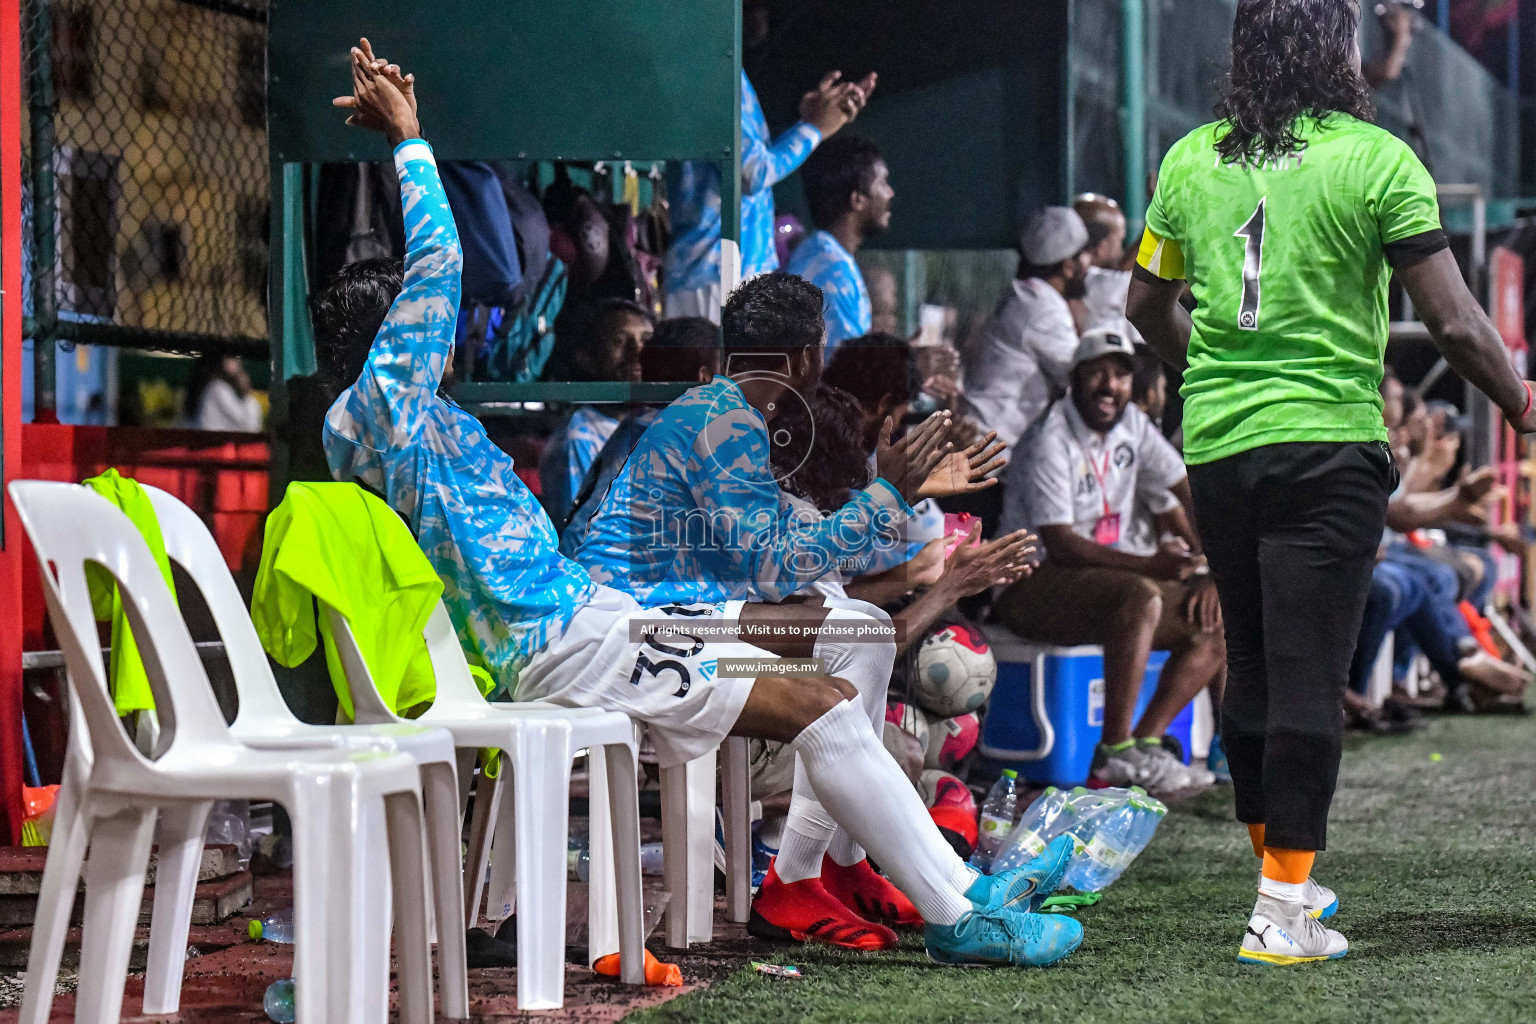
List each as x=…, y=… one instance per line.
x=1290, y=866
x=1256, y=837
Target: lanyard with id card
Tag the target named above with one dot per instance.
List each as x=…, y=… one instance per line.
x=1107, y=530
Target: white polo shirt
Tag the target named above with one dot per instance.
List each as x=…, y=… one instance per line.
x=1019, y=366
x=1064, y=474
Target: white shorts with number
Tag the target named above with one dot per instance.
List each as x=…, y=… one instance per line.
x=671, y=684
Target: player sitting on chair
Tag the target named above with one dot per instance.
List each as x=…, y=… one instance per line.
x=546, y=631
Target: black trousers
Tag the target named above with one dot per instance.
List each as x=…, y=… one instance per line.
x=1291, y=532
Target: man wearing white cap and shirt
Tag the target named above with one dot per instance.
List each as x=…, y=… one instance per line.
x=1020, y=364
x=1075, y=481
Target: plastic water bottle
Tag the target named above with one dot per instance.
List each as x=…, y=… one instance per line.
x=1107, y=853
x=996, y=819
x=1149, y=814
x=581, y=860
x=1040, y=824
x=276, y=927
x=278, y=1002
x=229, y=823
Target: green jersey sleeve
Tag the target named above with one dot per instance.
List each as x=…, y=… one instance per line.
x=1401, y=192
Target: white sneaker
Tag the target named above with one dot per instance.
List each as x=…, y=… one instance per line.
x=1151, y=766
x=1320, y=901
x=1281, y=933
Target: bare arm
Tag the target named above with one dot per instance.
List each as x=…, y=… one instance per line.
x=1467, y=502
x=1465, y=336
x=1176, y=521
x=1152, y=307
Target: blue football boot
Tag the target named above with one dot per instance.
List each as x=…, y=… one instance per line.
x=1003, y=938
x=1027, y=886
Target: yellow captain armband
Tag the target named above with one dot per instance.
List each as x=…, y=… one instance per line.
x=1161, y=256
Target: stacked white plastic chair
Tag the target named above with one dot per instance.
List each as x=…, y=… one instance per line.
x=539, y=743
x=348, y=807
x=264, y=721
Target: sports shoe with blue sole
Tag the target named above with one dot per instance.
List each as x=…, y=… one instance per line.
x=1003, y=938
x=1320, y=901
x=1027, y=886
x=1282, y=933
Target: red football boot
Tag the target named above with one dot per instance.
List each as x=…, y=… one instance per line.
x=864, y=890
x=804, y=911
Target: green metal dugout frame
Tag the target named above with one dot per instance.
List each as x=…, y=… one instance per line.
x=512, y=80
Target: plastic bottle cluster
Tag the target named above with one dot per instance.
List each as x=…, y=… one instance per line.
x=1110, y=828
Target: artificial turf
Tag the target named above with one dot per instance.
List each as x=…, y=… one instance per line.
x=1434, y=862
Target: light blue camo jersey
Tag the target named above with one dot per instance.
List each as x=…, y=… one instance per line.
x=822, y=260
x=568, y=453
x=695, y=515
x=693, y=192
x=506, y=586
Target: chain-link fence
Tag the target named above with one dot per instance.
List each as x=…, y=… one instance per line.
x=145, y=192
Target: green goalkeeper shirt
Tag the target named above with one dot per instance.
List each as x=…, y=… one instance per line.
x=1289, y=261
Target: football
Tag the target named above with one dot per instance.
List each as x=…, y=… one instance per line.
x=955, y=671
x=941, y=789
x=909, y=719
x=950, y=739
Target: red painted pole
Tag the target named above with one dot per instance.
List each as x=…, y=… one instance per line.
x=10, y=414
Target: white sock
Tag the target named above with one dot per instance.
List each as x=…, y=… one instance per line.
x=1291, y=892
x=867, y=666
x=868, y=795
x=808, y=828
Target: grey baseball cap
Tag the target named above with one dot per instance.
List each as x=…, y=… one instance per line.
x=1053, y=234
x=1103, y=341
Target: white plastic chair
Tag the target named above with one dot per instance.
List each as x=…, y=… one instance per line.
x=538, y=743
x=264, y=721
x=348, y=807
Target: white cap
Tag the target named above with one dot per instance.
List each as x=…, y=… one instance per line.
x=1053, y=234
x=1103, y=341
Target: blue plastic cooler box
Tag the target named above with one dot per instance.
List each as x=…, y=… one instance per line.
x=1048, y=732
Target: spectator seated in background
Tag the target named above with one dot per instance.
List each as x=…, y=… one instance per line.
x=1019, y=365
x=682, y=349
x=1415, y=591
x=609, y=337
x=823, y=459
x=880, y=372
x=1075, y=480
x=848, y=189
x=1108, y=278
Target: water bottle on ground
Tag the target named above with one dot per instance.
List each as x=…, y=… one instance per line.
x=1040, y=824
x=1107, y=853
x=996, y=819
x=276, y=927
x=278, y=1002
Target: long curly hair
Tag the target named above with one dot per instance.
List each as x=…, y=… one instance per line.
x=1290, y=58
